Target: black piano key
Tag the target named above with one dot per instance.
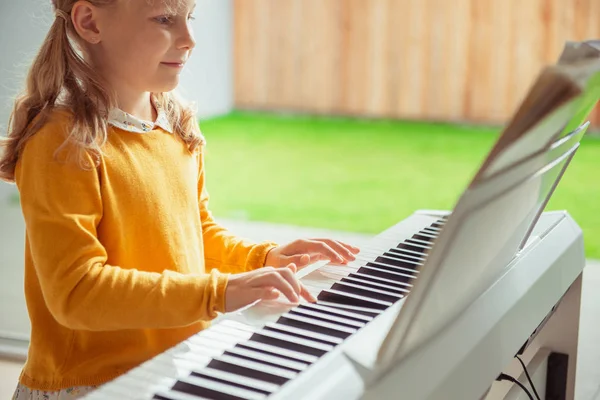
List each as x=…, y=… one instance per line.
x=437, y=225
x=159, y=397
x=335, y=296
x=410, y=273
x=400, y=287
x=257, y=337
x=364, y=291
x=248, y=372
x=203, y=392
x=418, y=243
x=367, y=312
x=244, y=346
x=411, y=247
x=230, y=383
x=386, y=274
x=373, y=285
x=313, y=328
x=324, y=318
x=344, y=313
x=272, y=364
x=396, y=262
x=424, y=237
x=413, y=259
x=300, y=335
x=417, y=256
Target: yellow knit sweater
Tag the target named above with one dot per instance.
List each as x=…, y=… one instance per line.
x=121, y=260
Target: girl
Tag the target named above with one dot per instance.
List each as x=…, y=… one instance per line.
x=123, y=259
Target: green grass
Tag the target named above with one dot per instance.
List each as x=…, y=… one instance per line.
x=362, y=175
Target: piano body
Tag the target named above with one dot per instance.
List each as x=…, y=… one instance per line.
x=493, y=278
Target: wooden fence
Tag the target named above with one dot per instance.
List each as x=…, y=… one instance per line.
x=452, y=60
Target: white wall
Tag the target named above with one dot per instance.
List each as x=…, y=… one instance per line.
x=206, y=80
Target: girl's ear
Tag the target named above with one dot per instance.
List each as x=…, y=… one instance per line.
x=84, y=16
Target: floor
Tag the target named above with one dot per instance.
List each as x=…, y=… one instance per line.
x=588, y=373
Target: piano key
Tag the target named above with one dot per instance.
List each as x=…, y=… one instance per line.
x=289, y=354
x=266, y=358
x=252, y=369
x=365, y=291
x=237, y=380
x=365, y=311
x=401, y=286
x=314, y=325
x=170, y=395
x=303, y=333
x=424, y=237
x=403, y=251
x=327, y=317
x=419, y=243
x=387, y=274
x=290, y=342
x=336, y=311
x=336, y=296
x=408, y=271
x=214, y=390
x=406, y=261
x=353, y=278
x=411, y=247
x=425, y=243
x=432, y=229
x=416, y=260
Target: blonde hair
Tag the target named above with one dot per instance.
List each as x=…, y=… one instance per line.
x=60, y=78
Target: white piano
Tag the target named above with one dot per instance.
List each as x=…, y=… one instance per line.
x=493, y=279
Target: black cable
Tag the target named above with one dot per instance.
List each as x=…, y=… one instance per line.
x=505, y=377
x=528, y=377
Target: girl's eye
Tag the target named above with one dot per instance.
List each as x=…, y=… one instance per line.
x=191, y=17
x=164, y=20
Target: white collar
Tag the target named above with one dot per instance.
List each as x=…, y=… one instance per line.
x=128, y=122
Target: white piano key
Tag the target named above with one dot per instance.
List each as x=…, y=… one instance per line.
x=284, y=373
x=381, y=264
x=268, y=358
x=393, y=273
x=222, y=388
x=242, y=380
x=279, y=350
x=175, y=395
x=316, y=314
x=372, y=290
x=424, y=243
x=224, y=333
x=305, y=333
x=352, y=308
x=343, y=312
x=406, y=286
x=383, y=286
x=233, y=332
x=206, y=340
x=367, y=300
x=317, y=322
x=296, y=340
x=407, y=258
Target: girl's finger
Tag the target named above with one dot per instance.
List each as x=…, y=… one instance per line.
x=345, y=250
x=306, y=295
x=275, y=279
x=300, y=260
x=324, y=249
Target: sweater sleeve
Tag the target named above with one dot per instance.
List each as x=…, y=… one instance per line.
x=223, y=250
x=62, y=207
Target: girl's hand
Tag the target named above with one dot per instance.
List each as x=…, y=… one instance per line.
x=307, y=251
x=264, y=284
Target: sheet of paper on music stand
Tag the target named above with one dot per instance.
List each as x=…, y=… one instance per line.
x=482, y=235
